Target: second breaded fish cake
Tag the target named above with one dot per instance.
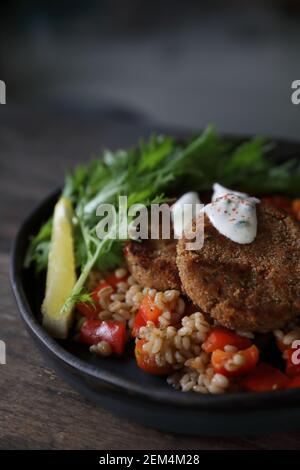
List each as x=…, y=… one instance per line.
x=252, y=287
x=153, y=263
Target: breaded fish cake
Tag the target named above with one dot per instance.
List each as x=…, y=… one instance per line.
x=153, y=263
x=253, y=287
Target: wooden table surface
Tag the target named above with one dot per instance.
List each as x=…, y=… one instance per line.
x=38, y=410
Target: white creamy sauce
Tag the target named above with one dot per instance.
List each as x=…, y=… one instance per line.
x=220, y=191
x=234, y=216
x=184, y=210
x=232, y=213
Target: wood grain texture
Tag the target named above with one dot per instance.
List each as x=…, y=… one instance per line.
x=37, y=409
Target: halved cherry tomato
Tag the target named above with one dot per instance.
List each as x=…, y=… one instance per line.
x=92, y=309
x=110, y=281
x=220, y=337
x=148, y=311
x=94, y=331
x=265, y=378
x=88, y=309
x=147, y=362
x=220, y=358
x=295, y=382
x=292, y=356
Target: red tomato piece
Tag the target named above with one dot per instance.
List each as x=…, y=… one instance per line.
x=94, y=331
x=138, y=322
x=147, y=362
x=95, y=294
x=223, y=362
x=220, y=337
x=91, y=309
x=265, y=378
x=149, y=310
x=88, y=309
x=110, y=281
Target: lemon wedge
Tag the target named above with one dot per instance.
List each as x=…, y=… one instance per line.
x=61, y=274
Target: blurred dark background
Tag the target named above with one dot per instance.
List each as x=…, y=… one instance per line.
x=176, y=63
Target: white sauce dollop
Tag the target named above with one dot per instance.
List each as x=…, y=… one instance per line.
x=234, y=216
x=220, y=191
x=232, y=213
x=181, y=214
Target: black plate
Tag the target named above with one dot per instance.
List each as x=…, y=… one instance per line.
x=121, y=387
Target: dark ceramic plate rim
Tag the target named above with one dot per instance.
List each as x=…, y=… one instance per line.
x=287, y=398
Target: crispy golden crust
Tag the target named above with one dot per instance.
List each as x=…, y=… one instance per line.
x=254, y=287
x=153, y=263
